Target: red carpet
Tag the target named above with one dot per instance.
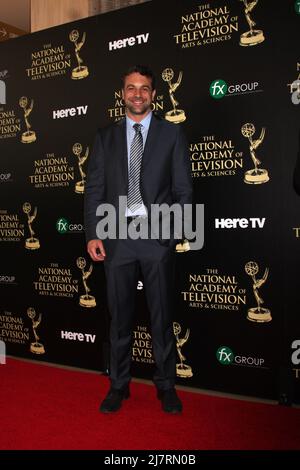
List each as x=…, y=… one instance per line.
x=44, y=407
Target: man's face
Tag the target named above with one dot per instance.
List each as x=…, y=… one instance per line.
x=137, y=95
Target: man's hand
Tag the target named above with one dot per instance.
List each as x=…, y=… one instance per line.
x=96, y=250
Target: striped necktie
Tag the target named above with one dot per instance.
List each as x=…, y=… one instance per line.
x=134, y=200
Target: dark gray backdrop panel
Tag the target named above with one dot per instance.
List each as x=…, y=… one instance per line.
x=261, y=362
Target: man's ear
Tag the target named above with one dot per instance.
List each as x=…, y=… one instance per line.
x=153, y=94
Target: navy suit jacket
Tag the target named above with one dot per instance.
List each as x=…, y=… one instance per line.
x=165, y=171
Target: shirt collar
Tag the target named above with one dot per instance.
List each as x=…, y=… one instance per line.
x=144, y=122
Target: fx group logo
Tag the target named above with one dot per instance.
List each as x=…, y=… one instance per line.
x=226, y=357
x=219, y=88
x=64, y=226
x=7, y=280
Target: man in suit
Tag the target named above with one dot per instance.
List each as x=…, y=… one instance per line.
x=161, y=174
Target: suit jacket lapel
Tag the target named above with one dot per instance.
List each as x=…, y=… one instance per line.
x=152, y=140
x=121, y=140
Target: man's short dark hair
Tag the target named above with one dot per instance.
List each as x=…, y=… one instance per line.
x=142, y=70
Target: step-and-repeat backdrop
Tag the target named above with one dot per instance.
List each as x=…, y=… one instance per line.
x=227, y=71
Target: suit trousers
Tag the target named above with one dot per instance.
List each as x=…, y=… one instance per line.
x=157, y=263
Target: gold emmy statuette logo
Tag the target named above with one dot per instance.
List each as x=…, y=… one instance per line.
x=31, y=243
x=29, y=136
x=256, y=175
x=176, y=115
x=182, y=370
x=86, y=300
x=77, y=149
x=183, y=247
x=257, y=314
x=36, y=347
x=81, y=71
x=254, y=36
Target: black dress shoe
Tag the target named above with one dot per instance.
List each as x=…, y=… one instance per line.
x=169, y=400
x=113, y=400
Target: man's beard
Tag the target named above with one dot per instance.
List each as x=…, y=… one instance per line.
x=137, y=110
